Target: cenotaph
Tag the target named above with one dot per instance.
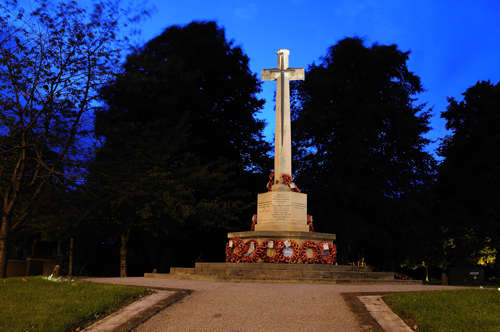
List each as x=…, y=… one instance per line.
x=282, y=211
x=281, y=232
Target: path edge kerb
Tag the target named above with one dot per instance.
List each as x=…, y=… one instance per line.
x=146, y=314
x=364, y=318
x=362, y=314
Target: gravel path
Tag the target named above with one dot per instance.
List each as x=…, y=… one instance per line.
x=238, y=307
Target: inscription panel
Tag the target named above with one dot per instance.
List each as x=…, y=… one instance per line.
x=281, y=212
x=299, y=206
x=281, y=207
x=264, y=206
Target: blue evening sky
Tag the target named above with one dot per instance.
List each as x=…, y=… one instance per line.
x=453, y=44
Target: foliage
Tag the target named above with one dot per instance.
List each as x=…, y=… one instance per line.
x=360, y=152
x=457, y=310
x=33, y=303
x=469, y=176
x=180, y=132
x=53, y=60
x=494, y=280
x=58, y=215
x=192, y=76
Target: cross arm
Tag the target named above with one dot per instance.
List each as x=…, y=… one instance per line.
x=292, y=74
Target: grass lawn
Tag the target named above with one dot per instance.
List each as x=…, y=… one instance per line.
x=454, y=310
x=37, y=304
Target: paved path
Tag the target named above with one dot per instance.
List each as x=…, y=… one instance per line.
x=242, y=307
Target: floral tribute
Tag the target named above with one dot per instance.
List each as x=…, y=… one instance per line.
x=254, y=222
x=332, y=253
x=310, y=244
x=239, y=252
x=271, y=182
x=279, y=257
x=310, y=223
x=252, y=258
x=234, y=252
x=262, y=251
x=287, y=181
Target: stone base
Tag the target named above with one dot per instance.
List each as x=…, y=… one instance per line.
x=299, y=237
x=283, y=273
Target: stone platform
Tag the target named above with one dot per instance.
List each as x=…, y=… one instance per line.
x=283, y=273
x=299, y=237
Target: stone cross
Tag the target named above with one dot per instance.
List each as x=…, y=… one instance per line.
x=282, y=139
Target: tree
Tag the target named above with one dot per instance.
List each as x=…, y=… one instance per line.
x=193, y=73
x=359, y=150
x=57, y=220
x=180, y=135
x=147, y=183
x=469, y=176
x=53, y=60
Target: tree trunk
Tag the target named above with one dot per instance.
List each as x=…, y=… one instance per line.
x=4, y=246
x=59, y=254
x=123, y=252
x=70, y=268
x=33, y=248
x=497, y=261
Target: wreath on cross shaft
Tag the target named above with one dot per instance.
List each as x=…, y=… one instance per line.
x=287, y=181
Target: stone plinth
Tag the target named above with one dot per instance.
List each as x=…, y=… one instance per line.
x=299, y=237
x=282, y=211
x=283, y=273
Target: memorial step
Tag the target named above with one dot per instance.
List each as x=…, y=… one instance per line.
x=273, y=266
x=283, y=273
x=337, y=281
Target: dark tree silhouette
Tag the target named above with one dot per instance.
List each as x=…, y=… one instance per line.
x=180, y=135
x=194, y=74
x=469, y=176
x=360, y=151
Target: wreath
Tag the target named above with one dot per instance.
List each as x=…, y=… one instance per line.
x=254, y=222
x=280, y=258
x=332, y=253
x=254, y=257
x=288, y=181
x=234, y=254
x=310, y=223
x=309, y=244
x=271, y=182
x=229, y=252
x=262, y=251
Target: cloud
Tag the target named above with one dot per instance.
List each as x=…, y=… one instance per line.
x=247, y=12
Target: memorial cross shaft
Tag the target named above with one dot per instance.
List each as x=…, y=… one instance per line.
x=282, y=139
